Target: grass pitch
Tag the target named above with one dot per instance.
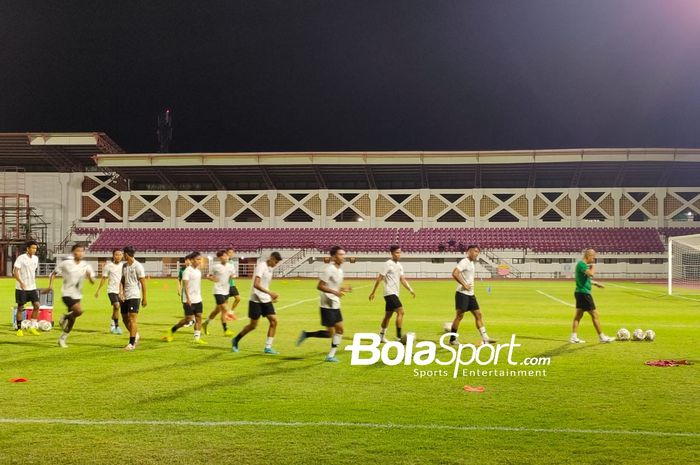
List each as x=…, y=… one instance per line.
x=177, y=403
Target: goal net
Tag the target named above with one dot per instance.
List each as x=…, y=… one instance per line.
x=684, y=266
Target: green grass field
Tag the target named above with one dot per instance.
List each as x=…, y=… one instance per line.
x=176, y=403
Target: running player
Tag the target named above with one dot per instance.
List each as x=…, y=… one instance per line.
x=392, y=275
x=24, y=272
x=112, y=273
x=134, y=293
x=221, y=274
x=232, y=289
x=585, y=270
x=191, y=299
x=465, y=300
x=74, y=271
x=186, y=263
x=330, y=286
x=261, y=303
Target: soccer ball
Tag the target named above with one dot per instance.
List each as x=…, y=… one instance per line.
x=447, y=327
x=649, y=335
x=638, y=335
x=45, y=325
x=26, y=324
x=404, y=338
x=623, y=334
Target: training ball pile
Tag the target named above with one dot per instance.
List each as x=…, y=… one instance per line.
x=638, y=335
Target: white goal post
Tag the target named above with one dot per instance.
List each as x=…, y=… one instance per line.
x=684, y=264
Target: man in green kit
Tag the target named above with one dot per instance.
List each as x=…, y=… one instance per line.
x=585, y=270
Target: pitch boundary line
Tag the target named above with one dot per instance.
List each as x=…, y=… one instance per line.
x=660, y=294
x=294, y=304
x=339, y=424
x=555, y=298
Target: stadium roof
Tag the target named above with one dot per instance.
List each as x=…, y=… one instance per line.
x=408, y=170
x=54, y=151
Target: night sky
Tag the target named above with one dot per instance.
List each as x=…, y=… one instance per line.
x=356, y=75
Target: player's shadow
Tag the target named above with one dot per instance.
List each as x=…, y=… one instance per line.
x=278, y=366
x=166, y=366
x=535, y=338
x=563, y=350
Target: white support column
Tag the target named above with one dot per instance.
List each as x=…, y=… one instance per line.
x=424, y=196
x=373, y=196
x=616, y=195
x=221, y=195
x=477, y=194
x=125, y=196
x=530, y=195
x=323, y=195
x=172, y=196
x=271, y=198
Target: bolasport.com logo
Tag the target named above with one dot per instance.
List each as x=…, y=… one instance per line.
x=460, y=359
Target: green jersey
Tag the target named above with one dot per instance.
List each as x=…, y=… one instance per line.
x=583, y=281
x=231, y=281
x=179, y=279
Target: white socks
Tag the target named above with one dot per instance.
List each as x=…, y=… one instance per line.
x=335, y=342
x=268, y=342
x=484, y=336
x=197, y=335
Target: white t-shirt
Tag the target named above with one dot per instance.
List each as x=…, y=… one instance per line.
x=392, y=273
x=333, y=277
x=132, y=274
x=27, y=271
x=263, y=272
x=222, y=273
x=112, y=271
x=193, y=276
x=467, y=269
x=73, y=276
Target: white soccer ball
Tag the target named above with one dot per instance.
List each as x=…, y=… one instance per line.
x=404, y=338
x=623, y=334
x=649, y=335
x=638, y=335
x=447, y=327
x=45, y=325
x=26, y=324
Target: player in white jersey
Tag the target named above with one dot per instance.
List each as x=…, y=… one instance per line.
x=392, y=275
x=133, y=290
x=221, y=274
x=191, y=299
x=74, y=271
x=261, y=303
x=330, y=287
x=112, y=273
x=465, y=300
x=24, y=272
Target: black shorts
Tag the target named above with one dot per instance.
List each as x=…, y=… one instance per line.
x=232, y=291
x=584, y=301
x=70, y=301
x=465, y=303
x=130, y=306
x=258, y=309
x=392, y=303
x=220, y=299
x=192, y=309
x=22, y=296
x=113, y=297
x=330, y=316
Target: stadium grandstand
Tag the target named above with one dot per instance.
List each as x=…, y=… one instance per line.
x=532, y=212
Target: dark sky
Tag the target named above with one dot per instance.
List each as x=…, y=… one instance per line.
x=356, y=75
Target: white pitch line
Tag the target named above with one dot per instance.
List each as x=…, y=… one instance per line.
x=556, y=299
x=294, y=304
x=651, y=292
x=339, y=424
